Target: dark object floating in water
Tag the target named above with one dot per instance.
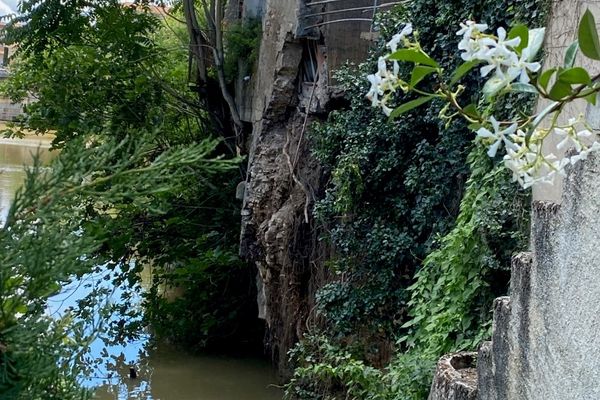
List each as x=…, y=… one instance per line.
x=132, y=373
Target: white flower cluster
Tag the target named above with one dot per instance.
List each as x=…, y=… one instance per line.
x=499, y=53
x=506, y=60
x=384, y=81
x=524, y=155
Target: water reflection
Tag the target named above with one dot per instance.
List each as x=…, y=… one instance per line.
x=14, y=155
x=163, y=372
x=167, y=374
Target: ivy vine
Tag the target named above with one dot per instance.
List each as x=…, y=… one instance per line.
x=423, y=223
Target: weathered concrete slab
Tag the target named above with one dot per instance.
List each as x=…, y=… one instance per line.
x=545, y=343
x=455, y=378
x=492, y=359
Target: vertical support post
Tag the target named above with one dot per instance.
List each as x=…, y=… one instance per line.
x=375, y=6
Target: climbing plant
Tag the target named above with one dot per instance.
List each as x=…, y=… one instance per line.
x=242, y=43
x=418, y=258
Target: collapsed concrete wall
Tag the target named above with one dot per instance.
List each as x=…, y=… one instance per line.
x=274, y=203
x=289, y=89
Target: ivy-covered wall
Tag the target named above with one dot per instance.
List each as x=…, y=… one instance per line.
x=421, y=249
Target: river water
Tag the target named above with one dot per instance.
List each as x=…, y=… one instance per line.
x=164, y=373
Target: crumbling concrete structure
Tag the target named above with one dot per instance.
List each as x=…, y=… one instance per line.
x=303, y=42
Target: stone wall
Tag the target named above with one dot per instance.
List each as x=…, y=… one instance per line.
x=550, y=347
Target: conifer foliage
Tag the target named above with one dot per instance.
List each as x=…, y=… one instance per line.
x=138, y=180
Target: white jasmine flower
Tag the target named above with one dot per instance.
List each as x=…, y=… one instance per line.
x=578, y=157
x=382, y=67
x=521, y=67
x=500, y=56
x=525, y=163
x=397, y=38
x=584, y=134
x=470, y=27
x=473, y=45
x=503, y=43
x=499, y=135
x=375, y=91
x=566, y=141
x=475, y=49
x=386, y=110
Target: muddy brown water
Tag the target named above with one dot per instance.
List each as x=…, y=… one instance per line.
x=14, y=155
x=163, y=373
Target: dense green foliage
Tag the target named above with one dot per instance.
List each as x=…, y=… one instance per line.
x=52, y=237
x=242, y=40
x=85, y=69
x=455, y=288
x=419, y=261
x=139, y=184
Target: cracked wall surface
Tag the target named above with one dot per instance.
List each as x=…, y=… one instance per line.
x=546, y=343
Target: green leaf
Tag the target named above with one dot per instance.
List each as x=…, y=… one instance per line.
x=419, y=73
x=592, y=98
x=575, y=75
x=493, y=86
x=571, y=54
x=523, y=88
x=560, y=90
x=522, y=32
x=545, y=77
x=474, y=126
x=536, y=39
x=461, y=71
x=409, y=106
x=471, y=110
x=413, y=55
x=588, y=36
x=549, y=108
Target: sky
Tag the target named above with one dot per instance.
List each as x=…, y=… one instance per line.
x=7, y=6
